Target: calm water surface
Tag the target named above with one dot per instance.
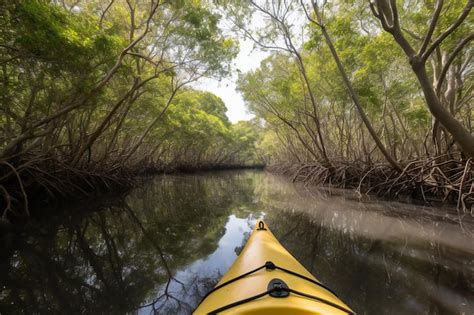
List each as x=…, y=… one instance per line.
x=162, y=247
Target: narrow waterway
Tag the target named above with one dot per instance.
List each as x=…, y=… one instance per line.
x=161, y=247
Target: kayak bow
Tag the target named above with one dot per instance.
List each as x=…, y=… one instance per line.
x=267, y=279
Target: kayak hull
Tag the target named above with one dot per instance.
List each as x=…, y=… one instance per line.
x=262, y=247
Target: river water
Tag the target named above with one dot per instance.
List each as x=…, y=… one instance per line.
x=160, y=248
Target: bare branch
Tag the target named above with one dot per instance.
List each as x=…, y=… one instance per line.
x=388, y=16
x=374, y=10
x=9, y=47
x=413, y=35
x=20, y=183
x=434, y=20
x=394, y=10
x=451, y=29
x=143, y=57
x=102, y=16
x=450, y=60
x=308, y=16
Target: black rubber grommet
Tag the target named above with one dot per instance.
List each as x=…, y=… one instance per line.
x=270, y=265
x=278, y=288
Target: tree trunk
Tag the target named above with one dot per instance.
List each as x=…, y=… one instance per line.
x=460, y=134
x=357, y=103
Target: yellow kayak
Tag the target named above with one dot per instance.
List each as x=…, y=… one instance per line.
x=267, y=279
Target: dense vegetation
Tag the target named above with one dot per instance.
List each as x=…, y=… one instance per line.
x=374, y=95
x=100, y=90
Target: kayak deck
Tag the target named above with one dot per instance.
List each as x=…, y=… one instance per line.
x=247, y=288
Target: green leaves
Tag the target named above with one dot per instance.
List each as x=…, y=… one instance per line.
x=67, y=41
x=377, y=67
x=111, y=71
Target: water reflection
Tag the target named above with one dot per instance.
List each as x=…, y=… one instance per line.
x=199, y=277
x=160, y=249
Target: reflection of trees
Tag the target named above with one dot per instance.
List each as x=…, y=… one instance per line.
x=188, y=213
x=375, y=276
x=167, y=298
x=182, y=301
x=83, y=265
x=193, y=228
x=112, y=259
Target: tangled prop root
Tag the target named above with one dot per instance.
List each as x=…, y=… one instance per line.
x=432, y=179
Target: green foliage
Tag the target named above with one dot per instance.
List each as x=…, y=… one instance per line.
x=417, y=115
x=246, y=136
x=377, y=67
x=90, y=84
x=67, y=41
x=197, y=121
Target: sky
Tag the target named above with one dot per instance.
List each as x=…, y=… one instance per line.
x=247, y=59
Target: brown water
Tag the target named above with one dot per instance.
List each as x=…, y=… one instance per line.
x=159, y=249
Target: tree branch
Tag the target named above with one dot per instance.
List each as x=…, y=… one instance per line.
x=434, y=20
x=417, y=37
x=308, y=16
x=451, y=29
x=102, y=16
x=450, y=60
